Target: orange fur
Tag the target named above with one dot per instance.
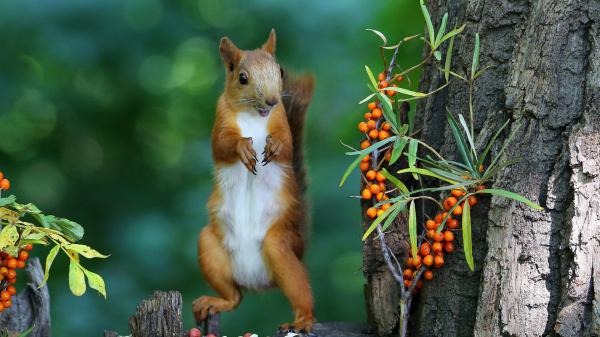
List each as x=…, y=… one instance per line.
x=283, y=243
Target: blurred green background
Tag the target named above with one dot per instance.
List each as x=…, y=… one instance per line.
x=105, y=113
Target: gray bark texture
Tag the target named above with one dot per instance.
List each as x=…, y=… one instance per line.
x=31, y=306
x=536, y=273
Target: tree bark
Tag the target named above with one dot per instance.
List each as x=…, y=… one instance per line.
x=536, y=273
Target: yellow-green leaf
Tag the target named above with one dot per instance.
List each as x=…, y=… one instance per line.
x=467, y=240
x=371, y=77
x=512, y=195
x=76, y=278
x=412, y=227
x=49, y=259
x=96, y=282
x=85, y=251
x=8, y=236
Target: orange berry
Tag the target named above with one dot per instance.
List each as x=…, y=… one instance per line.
x=1, y=175
x=381, y=186
x=419, y=284
x=437, y=247
x=457, y=210
x=430, y=224
x=374, y=188
x=481, y=187
x=1, y=307
x=3, y=270
x=7, y=304
x=431, y=233
x=366, y=159
x=372, y=125
x=371, y=212
x=11, y=274
x=388, y=155
x=391, y=93
x=371, y=174
x=364, y=166
x=373, y=134
x=371, y=105
x=5, y=184
x=449, y=202
x=428, y=275
x=365, y=144
x=407, y=274
x=380, y=177
x=448, y=236
x=1, y=277
x=20, y=264
x=438, y=218
x=409, y=262
x=448, y=247
x=23, y=255
x=383, y=135
x=12, y=263
x=425, y=249
x=385, y=207
x=407, y=283
x=452, y=223
x=399, y=78
x=376, y=113
x=29, y=247
x=379, y=212
x=379, y=196
x=366, y=194
x=438, y=261
x=417, y=261
x=439, y=237
x=386, y=126
x=457, y=193
x=472, y=200
x=381, y=76
x=362, y=126
x=383, y=84
x=12, y=280
x=428, y=260
x=5, y=295
x=368, y=116
x=12, y=290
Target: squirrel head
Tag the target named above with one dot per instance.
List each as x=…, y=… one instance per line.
x=253, y=78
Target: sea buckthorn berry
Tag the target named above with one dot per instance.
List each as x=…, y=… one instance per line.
x=390, y=93
x=371, y=105
x=381, y=186
x=372, y=212
x=12, y=280
x=386, y=126
x=368, y=116
x=374, y=188
x=439, y=237
x=381, y=76
x=371, y=174
x=438, y=218
x=376, y=113
x=371, y=125
x=23, y=255
x=399, y=78
x=373, y=134
x=428, y=260
x=481, y=187
x=407, y=274
x=425, y=249
x=1, y=307
x=383, y=135
x=12, y=263
x=457, y=193
x=380, y=177
x=383, y=84
x=11, y=274
x=437, y=247
x=452, y=223
x=379, y=212
x=472, y=200
x=409, y=262
x=417, y=261
x=1, y=175
x=3, y=270
x=438, y=261
x=366, y=159
x=428, y=275
x=364, y=166
x=12, y=290
x=20, y=264
x=388, y=155
x=29, y=247
x=431, y=233
x=457, y=210
x=366, y=194
x=407, y=283
x=5, y=184
x=365, y=144
x=448, y=247
x=448, y=236
x=379, y=197
x=5, y=295
x=362, y=126
x=419, y=284
x=430, y=224
x=449, y=202
x=7, y=304
x=385, y=207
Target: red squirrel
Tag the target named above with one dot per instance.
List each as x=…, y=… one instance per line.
x=255, y=235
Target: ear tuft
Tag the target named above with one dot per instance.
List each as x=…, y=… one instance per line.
x=269, y=46
x=230, y=54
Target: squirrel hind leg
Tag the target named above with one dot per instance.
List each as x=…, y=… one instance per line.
x=215, y=264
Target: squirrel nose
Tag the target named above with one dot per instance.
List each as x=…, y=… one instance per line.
x=271, y=102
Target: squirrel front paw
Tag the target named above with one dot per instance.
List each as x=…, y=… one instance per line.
x=247, y=154
x=273, y=148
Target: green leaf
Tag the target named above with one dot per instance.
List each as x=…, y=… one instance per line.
x=388, y=111
x=351, y=168
x=378, y=220
x=405, y=91
x=448, y=62
x=399, y=184
x=412, y=155
x=8, y=236
x=397, y=149
x=85, y=251
x=380, y=34
x=512, y=195
x=438, y=55
x=26, y=332
x=427, y=172
x=372, y=147
x=367, y=98
x=49, y=259
x=491, y=143
x=467, y=241
x=71, y=229
x=475, y=63
x=412, y=227
x=442, y=29
x=451, y=34
x=429, y=24
x=393, y=216
x=371, y=77
x=96, y=282
x=7, y=201
x=504, y=146
x=76, y=277
x=466, y=128
x=461, y=144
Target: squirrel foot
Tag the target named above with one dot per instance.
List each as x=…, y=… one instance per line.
x=300, y=326
x=273, y=148
x=247, y=154
x=204, y=305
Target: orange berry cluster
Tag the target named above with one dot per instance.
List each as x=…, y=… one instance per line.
x=4, y=183
x=8, y=274
x=435, y=244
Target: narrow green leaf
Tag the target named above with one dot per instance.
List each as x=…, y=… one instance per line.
x=426, y=172
x=461, y=144
x=438, y=55
x=448, y=62
x=475, y=63
x=405, y=91
x=504, y=146
x=442, y=29
x=351, y=168
x=491, y=143
x=512, y=195
x=26, y=332
x=388, y=110
x=96, y=282
x=7, y=201
x=412, y=227
x=378, y=220
x=371, y=77
x=467, y=240
x=76, y=278
x=412, y=155
x=380, y=34
x=397, y=182
x=49, y=259
x=367, y=98
x=451, y=34
x=372, y=147
x=85, y=251
x=429, y=24
x=397, y=149
x=463, y=123
x=392, y=216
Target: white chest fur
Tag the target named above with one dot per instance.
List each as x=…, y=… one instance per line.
x=250, y=205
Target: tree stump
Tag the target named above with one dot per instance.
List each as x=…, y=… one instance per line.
x=31, y=306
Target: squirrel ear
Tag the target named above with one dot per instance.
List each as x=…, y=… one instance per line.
x=269, y=46
x=230, y=54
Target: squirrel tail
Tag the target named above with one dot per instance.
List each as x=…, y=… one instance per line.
x=297, y=94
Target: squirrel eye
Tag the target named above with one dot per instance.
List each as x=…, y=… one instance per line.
x=243, y=78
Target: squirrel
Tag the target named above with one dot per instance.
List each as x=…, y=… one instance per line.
x=255, y=237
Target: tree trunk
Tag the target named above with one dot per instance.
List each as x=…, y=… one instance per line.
x=536, y=273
